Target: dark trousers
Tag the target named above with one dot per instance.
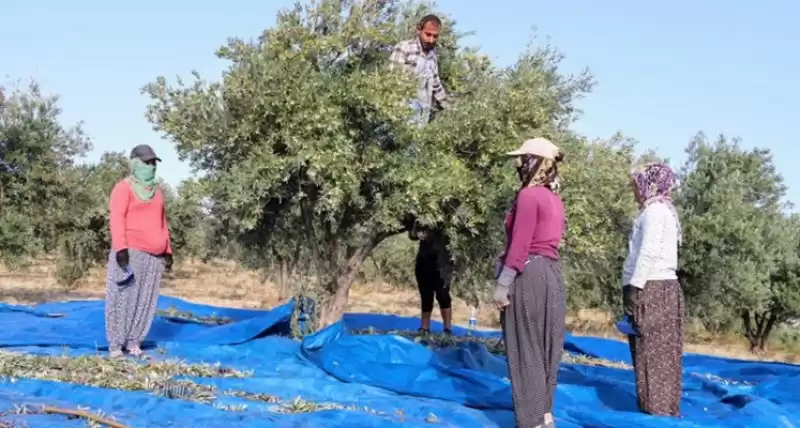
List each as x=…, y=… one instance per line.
x=431, y=285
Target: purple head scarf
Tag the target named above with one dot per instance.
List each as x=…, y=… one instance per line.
x=654, y=182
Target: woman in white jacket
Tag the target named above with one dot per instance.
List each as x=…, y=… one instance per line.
x=652, y=295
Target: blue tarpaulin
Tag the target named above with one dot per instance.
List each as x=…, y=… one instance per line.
x=379, y=380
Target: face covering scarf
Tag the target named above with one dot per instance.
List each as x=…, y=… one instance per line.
x=143, y=180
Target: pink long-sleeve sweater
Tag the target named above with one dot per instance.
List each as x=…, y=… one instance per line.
x=533, y=226
x=138, y=225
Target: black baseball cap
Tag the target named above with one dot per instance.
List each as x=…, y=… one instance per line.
x=145, y=153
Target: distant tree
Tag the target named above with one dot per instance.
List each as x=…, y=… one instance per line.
x=37, y=170
x=739, y=258
x=82, y=219
x=193, y=227
x=600, y=208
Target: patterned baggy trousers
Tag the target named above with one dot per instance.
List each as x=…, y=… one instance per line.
x=131, y=308
x=658, y=350
x=533, y=328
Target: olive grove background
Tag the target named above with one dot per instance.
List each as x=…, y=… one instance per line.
x=309, y=171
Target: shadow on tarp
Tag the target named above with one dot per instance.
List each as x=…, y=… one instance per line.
x=388, y=380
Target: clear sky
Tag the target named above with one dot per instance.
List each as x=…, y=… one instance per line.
x=664, y=69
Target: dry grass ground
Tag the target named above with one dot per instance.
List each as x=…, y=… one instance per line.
x=225, y=284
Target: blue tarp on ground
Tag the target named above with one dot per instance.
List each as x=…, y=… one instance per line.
x=401, y=383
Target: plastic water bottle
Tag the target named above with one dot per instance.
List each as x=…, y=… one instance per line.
x=473, y=319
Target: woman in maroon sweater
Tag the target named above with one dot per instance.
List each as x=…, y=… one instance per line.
x=530, y=289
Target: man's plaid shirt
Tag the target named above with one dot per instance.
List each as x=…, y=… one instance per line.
x=409, y=55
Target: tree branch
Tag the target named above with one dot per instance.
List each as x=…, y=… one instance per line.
x=311, y=236
x=83, y=414
x=748, y=327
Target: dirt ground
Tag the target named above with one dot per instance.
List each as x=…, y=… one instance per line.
x=225, y=284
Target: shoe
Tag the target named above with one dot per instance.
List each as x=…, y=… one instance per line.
x=549, y=421
x=448, y=332
x=137, y=352
x=115, y=353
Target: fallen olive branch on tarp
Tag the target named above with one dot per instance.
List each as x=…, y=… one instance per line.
x=437, y=341
x=434, y=341
x=497, y=346
x=157, y=378
x=494, y=345
x=94, y=419
x=187, y=316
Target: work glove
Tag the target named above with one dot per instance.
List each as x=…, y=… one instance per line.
x=630, y=298
x=504, y=281
x=123, y=259
x=168, y=262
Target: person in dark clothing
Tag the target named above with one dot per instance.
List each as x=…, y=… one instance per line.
x=433, y=272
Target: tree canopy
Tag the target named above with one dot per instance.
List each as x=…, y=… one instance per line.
x=740, y=257
x=308, y=130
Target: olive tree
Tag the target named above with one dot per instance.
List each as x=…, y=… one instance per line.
x=307, y=137
x=739, y=262
x=38, y=161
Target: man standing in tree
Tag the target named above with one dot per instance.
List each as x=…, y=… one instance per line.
x=432, y=267
x=418, y=55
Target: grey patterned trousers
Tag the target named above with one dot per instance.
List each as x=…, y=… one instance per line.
x=131, y=308
x=533, y=328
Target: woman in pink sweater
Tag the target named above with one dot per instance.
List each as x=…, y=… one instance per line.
x=140, y=252
x=530, y=288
